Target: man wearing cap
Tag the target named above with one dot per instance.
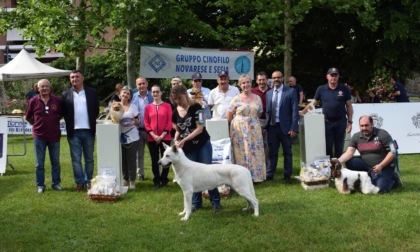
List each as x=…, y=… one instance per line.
x=197, y=81
x=338, y=112
x=222, y=95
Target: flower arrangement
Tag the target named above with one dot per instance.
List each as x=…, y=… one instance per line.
x=379, y=89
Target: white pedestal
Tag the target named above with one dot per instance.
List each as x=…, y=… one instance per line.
x=312, y=137
x=3, y=144
x=217, y=128
x=109, y=150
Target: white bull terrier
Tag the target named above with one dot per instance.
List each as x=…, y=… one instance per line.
x=197, y=177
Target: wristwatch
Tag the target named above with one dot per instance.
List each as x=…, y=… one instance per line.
x=351, y=122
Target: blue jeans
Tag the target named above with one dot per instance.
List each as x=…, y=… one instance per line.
x=335, y=133
x=82, y=142
x=40, y=147
x=384, y=180
x=204, y=155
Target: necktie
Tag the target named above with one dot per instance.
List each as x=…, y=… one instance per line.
x=274, y=108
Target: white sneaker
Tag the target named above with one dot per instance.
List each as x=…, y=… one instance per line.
x=132, y=185
x=41, y=189
x=125, y=183
x=57, y=187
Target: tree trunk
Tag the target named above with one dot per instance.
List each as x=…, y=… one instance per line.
x=81, y=32
x=131, y=50
x=80, y=62
x=287, y=63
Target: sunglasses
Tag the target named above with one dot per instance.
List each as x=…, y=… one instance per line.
x=47, y=110
x=197, y=80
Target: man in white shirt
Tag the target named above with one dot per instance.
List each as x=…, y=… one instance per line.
x=221, y=96
x=197, y=81
x=80, y=106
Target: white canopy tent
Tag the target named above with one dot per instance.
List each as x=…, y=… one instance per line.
x=24, y=66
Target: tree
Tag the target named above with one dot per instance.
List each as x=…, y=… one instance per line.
x=60, y=25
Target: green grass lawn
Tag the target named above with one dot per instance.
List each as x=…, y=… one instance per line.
x=291, y=219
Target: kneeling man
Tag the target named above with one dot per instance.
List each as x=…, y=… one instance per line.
x=377, y=155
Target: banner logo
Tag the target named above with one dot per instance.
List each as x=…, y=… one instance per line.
x=157, y=62
x=416, y=120
x=377, y=120
x=242, y=65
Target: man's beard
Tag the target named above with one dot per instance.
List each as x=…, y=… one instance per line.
x=367, y=133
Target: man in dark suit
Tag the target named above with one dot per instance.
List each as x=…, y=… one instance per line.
x=80, y=109
x=282, y=115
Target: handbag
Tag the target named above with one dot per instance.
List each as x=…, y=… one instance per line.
x=123, y=136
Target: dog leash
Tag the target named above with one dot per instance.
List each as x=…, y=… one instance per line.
x=127, y=145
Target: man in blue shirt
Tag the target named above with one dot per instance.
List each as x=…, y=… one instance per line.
x=141, y=99
x=399, y=94
x=338, y=112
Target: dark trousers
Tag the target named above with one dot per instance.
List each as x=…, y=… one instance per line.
x=154, y=149
x=335, y=132
x=128, y=154
x=276, y=137
x=384, y=179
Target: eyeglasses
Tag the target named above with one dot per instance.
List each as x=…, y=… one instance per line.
x=193, y=93
x=197, y=80
x=47, y=110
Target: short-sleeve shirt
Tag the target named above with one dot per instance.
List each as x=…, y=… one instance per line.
x=186, y=125
x=333, y=101
x=131, y=132
x=222, y=100
x=398, y=86
x=46, y=118
x=374, y=149
x=298, y=89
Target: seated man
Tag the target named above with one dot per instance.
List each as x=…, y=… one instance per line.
x=377, y=155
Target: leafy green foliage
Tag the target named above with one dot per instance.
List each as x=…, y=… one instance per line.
x=357, y=36
x=96, y=74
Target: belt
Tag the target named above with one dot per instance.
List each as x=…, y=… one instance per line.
x=141, y=129
x=333, y=119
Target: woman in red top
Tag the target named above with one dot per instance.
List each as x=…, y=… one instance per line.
x=158, y=125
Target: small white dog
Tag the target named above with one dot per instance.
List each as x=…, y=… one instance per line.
x=347, y=180
x=197, y=177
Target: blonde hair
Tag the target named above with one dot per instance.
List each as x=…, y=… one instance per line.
x=118, y=87
x=179, y=90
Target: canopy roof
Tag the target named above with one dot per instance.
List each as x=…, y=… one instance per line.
x=24, y=66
